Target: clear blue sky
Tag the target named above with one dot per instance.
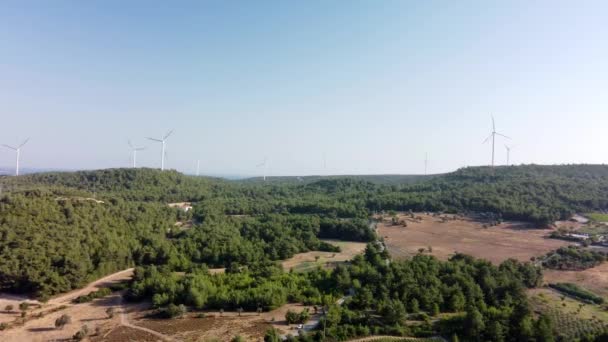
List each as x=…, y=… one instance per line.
x=372, y=85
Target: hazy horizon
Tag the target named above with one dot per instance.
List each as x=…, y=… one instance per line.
x=317, y=88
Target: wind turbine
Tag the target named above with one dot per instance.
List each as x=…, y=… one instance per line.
x=508, y=153
x=134, y=152
x=18, y=152
x=493, y=136
x=198, y=167
x=263, y=164
x=426, y=162
x=162, y=151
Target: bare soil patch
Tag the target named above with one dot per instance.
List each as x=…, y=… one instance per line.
x=93, y=314
x=466, y=235
x=126, y=334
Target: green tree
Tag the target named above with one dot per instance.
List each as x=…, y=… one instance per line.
x=474, y=324
x=272, y=335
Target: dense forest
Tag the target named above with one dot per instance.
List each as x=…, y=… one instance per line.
x=120, y=218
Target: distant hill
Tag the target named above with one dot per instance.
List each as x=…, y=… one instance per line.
x=376, y=179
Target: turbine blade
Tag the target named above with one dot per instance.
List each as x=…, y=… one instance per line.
x=488, y=138
x=168, y=134
x=502, y=135
x=24, y=142
x=493, y=124
x=11, y=147
x=140, y=148
x=130, y=145
x=154, y=139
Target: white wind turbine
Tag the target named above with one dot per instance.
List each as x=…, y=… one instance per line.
x=263, y=164
x=134, y=153
x=508, y=154
x=426, y=163
x=493, y=136
x=162, y=151
x=18, y=153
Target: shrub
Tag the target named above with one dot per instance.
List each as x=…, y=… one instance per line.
x=93, y=295
x=61, y=321
x=172, y=311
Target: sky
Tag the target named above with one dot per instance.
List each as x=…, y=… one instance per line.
x=315, y=87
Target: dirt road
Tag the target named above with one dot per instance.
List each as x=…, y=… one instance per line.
x=67, y=298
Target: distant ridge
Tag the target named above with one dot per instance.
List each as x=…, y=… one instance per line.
x=385, y=179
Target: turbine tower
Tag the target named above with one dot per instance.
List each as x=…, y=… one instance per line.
x=162, y=150
x=134, y=153
x=493, y=136
x=18, y=154
x=426, y=162
x=263, y=164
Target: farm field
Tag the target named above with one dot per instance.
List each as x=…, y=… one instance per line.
x=571, y=316
x=594, y=279
x=466, y=235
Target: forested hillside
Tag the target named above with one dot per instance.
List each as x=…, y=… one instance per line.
x=120, y=218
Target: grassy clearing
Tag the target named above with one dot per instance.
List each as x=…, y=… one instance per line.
x=573, y=318
x=597, y=217
x=310, y=260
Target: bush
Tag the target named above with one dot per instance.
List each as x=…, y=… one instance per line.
x=93, y=295
x=297, y=318
x=61, y=321
x=81, y=334
x=172, y=311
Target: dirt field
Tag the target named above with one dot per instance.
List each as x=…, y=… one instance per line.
x=594, y=279
x=43, y=329
x=465, y=235
x=307, y=261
